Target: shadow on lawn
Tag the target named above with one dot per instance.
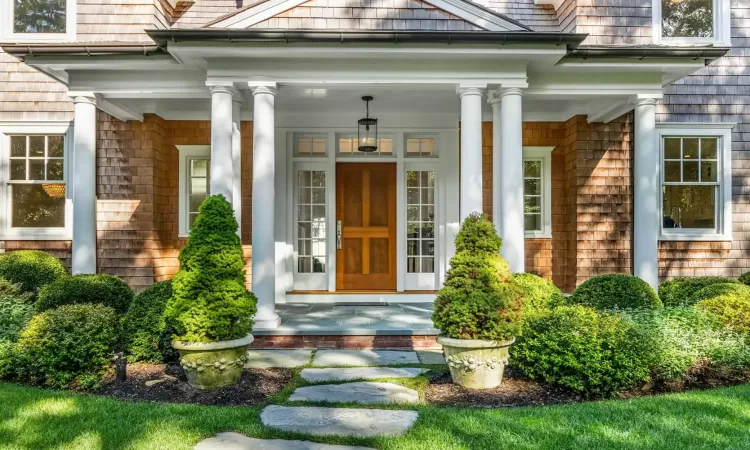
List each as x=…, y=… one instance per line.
x=37, y=419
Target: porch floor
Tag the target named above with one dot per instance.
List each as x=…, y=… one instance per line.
x=394, y=319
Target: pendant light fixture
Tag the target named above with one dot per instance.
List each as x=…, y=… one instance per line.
x=367, y=131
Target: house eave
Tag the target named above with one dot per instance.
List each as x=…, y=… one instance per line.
x=21, y=51
x=708, y=53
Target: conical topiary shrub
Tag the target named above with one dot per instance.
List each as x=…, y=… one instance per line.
x=210, y=309
x=478, y=310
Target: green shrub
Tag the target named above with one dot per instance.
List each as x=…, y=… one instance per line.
x=745, y=279
x=715, y=290
x=107, y=290
x=7, y=362
x=32, y=269
x=479, y=299
x=15, y=311
x=678, y=340
x=615, y=291
x=144, y=327
x=538, y=293
x=679, y=291
x=730, y=308
x=579, y=348
x=210, y=302
x=72, y=343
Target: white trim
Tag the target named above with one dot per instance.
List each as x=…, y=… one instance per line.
x=460, y=8
x=30, y=128
x=187, y=152
x=545, y=155
x=323, y=297
x=555, y=3
x=724, y=202
x=722, y=27
x=6, y=25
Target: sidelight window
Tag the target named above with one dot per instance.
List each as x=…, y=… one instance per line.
x=311, y=221
x=420, y=221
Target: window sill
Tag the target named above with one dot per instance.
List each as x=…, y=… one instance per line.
x=537, y=235
x=41, y=236
x=695, y=237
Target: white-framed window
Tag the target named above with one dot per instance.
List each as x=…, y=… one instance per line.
x=194, y=183
x=696, y=179
x=691, y=21
x=38, y=20
x=347, y=146
x=537, y=192
x=420, y=221
x=310, y=144
x=36, y=198
x=312, y=187
x=420, y=146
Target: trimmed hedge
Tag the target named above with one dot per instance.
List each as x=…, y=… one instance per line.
x=15, y=311
x=745, y=279
x=679, y=291
x=732, y=308
x=107, y=290
x=72, y=343
x=583, y=350
x=144, y=328
x=31, y=269
x=479, y=299
x=210, y=302
x=538, y=293
x=615, y=291
x=715, y=290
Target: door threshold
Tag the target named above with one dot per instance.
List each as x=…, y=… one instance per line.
x=359, y=292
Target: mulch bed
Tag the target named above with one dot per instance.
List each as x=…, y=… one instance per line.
x=514, y=391
x=255, y=386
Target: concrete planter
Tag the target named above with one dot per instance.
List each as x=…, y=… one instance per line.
x=215, y=364
x=475, y=363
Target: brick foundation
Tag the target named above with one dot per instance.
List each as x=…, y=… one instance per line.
x=352, y=342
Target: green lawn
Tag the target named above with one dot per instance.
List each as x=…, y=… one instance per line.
x=716, y=419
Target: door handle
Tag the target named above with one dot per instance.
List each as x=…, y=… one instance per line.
x=338, y=235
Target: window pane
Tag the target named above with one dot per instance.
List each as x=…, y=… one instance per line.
x=412, y=213
x=18, y=146
x=199, y=168
x=532, y=169
x=36, y=169
x=304, y=265
x=311, y=221
x=55, y=146
x=412, y=146
x=672, y=148
x=385, y=146
x=304, y=178
x=690, y=148
x=708, y=148
x=690, y=207
x=412, y=265
x=36, y=146
x=17, y=169
x=319, y=179
x=196, y=201
x=532, y=222
x=690, y=171
x=411, y=179
x=672, y=171
x=39, y=16
x=199, y=186
x=532, y=204
x=420, y=226
x=428, y=147
x=319, y=264
x=38, y=205
x=304, y=196
x=319, y=196
x=304, y=230
x=55, y=169
x=708, y=171
x=687, y=18
x=532, y=187
x=345, y=145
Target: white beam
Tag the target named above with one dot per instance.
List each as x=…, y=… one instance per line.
x=610, y=112
x=118, y=110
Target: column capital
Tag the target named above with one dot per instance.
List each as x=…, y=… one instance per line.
x=84, y=97
x=495, y=96
x=263, y=87
x=469, y=90
x=227, y=88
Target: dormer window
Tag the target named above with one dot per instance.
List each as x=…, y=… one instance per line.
x=691, y=22
x=35, y=20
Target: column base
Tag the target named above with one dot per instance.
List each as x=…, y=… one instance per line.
x=269, y=322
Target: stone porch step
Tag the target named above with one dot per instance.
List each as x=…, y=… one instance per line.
x=365, y=392
x=328, y=358
x=320, y=421
x=359, y=373
x=236, y=441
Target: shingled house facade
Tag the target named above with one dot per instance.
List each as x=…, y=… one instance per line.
x=599, y=136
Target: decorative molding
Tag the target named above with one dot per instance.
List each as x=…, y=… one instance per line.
x=555, y=3
x=471, y=363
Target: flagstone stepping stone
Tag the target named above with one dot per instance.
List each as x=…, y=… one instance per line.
x=327, y=358
x=236, y=441
x=364, y=392
x=431, y=357
x=320, y=421
x=264, y=359
x=359, y=373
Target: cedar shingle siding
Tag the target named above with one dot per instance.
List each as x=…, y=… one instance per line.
x=592, y=179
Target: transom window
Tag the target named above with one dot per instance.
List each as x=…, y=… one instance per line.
x=348, y=147
x=311, y=221
x=199, y=182
x=690, y=183
x=420, y=146
x=37, y=181
x=310, y=145
x=420, y=221
x=533, y=181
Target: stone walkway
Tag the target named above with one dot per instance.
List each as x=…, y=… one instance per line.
x=352, y=367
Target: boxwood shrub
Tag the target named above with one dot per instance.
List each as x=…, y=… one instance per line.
x=143, y=326
x=107, y=290
x=31, y=269
x=715, y=290
x=732, y=308
x=581, y=349
x=679, y=291
x=210, y=302
x=479, y=299
x=615, y=291
x=72, y=343
x=15, y=311
x=538, y=293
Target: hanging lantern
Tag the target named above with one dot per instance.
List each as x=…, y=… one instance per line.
x=367, y=131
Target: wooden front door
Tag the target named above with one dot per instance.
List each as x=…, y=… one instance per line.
x=366, y=212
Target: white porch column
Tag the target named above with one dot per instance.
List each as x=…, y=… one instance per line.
x=221, y=141
x=237, y=162
x=264, y=242
x=471, y=151
x=646, y=184
x=84, y=184
x=507, y=175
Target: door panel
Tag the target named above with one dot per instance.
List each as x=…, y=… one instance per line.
x=366, y=207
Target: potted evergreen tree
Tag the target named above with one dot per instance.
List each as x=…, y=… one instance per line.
x=478, y=310
x=210, y=309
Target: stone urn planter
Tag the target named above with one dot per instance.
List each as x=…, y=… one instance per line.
x=215, y=364
x=475, y=363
